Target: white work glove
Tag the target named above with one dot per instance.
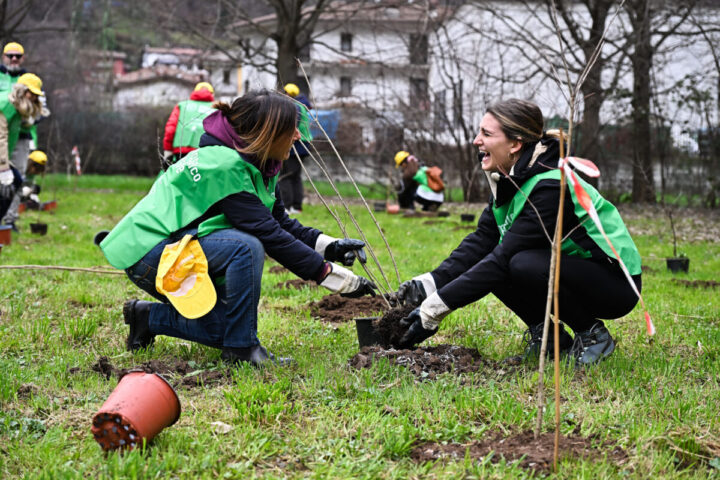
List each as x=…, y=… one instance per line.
x=26, y=191
x=6, y=177
x=415, y=291
x=34, y=197
x=167, y=154
x=346, y=283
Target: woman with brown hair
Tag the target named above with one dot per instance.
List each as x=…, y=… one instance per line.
x=509, y=253
x=197, y=241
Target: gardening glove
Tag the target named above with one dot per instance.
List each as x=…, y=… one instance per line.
x=423, y=322
x=414, y=291
x=26, y=191
x=6, y=177
x=342, y=250
x=34, y=198
x=346, y=283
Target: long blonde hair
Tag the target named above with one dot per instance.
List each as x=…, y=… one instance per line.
x=261, y=118
x=28, y=109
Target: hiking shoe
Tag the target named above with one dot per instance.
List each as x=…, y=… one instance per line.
x=137, y=315
x=533, y=343
x=257, y=356
x=592, y=345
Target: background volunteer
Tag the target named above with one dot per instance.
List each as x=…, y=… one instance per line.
x=414, y=184
x=184, y=127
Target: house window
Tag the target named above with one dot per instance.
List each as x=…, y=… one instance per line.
x=346, y=42
x=419, y=94
x=457, y=103
x=226, y=76
x=418, y=49
x=345, y=86
x=247, y=86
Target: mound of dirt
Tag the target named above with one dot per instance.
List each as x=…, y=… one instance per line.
x=278, y=269
x=388, y=329
x=297, y=284
x=175, y=370
x=697, y=283
x=532, y=453
x=335, y=308
x=425, y=362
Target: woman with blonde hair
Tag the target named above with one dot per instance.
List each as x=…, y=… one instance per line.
x=197, y=241
x=509, y=253
x=20, y=107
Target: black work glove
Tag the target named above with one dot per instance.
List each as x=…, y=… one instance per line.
x=416, y=333
x=411, y=292
x=345, y=250
x=365, y=287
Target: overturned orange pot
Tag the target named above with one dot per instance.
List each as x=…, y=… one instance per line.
x=141, y=405
x=392, y=208
x=51, y=205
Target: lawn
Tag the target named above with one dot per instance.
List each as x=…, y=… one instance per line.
x=656, y=400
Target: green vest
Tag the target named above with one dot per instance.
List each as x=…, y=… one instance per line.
x=189, y=127
x=13, y=121
x=7, y=81
x=613, y=225
x=421, y=177
x=180, y=196
x=304, y=124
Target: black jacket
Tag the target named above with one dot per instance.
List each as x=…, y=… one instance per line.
x=489, y=260
x=284, y=239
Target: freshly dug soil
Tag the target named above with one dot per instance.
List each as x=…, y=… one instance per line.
x=278, y=269
x=335, y=308
x=297, y=284
x=535, y=454
x=697, y=283
x=425, y=362
x=388, y=327
x=175, y=370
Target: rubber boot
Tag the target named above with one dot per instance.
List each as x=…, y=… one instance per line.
x=137, y=315
x=257, y=355
x=533, y=343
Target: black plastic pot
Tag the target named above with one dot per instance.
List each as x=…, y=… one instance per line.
x=39, y=228
x=443, y=213
x=379, y=206
x=367, y=336
x=100, y=236
x=680, y=264
x=467, y=217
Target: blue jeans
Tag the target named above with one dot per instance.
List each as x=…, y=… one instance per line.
x=236, y=255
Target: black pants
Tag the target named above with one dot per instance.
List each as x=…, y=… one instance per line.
x=291, y=187
x=589, y=290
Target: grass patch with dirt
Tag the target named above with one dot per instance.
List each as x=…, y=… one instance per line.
x=649, y=411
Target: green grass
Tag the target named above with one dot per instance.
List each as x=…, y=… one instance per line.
x=320, y=419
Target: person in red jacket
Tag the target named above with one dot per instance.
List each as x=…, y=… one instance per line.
x=184, y=127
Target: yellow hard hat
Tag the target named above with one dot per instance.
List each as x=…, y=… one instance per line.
x=38, y=156
x=204, y=85
x=33, y=83
x=400, y=157
x=292, y=90
x=14, y=47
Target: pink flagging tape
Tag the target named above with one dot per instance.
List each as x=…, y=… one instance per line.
x=588, y=167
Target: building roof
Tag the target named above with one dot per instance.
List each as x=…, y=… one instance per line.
x=159, y=72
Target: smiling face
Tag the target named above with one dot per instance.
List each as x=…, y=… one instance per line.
x=499, y=151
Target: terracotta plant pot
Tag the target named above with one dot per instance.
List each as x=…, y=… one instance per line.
x=467, y=217
x=141, y=405
x=392, y=208
x=379, y=206
x=366, y=331
x=51, y=205
x=39, y=228
x=22, y=207
x=5, y=234
x=679, y=264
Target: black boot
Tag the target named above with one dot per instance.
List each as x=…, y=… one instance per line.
x=257, y=355
x=592, y=345
x=137, y=315
x=533, y=343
